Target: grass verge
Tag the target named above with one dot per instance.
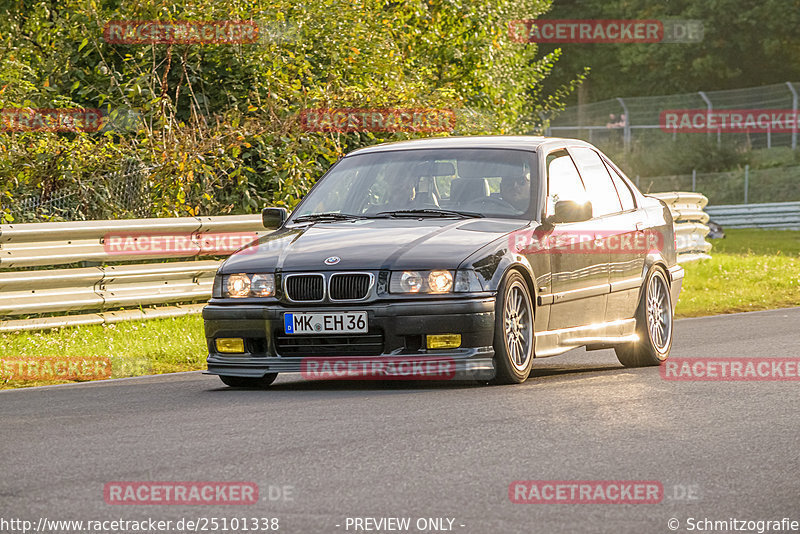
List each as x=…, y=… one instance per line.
x=130, y=348
x=749, y=270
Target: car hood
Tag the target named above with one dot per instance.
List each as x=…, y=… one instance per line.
x=370, y=244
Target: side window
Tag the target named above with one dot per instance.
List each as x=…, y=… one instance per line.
x=601, y=190
x=563, y=181
x=623, y=190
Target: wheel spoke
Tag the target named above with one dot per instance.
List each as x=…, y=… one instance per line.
x=659, y=312
x=517, y=322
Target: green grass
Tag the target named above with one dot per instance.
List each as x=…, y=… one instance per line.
x=745, y=241
x=133, y=348
x=749, y=270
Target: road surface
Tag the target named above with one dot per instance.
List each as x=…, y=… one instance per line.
x=324, y=454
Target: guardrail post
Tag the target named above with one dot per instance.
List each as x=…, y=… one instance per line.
x=694, y=180
x=794, y=112
x=746, y=181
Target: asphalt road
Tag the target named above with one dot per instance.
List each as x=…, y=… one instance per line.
x=720, y=449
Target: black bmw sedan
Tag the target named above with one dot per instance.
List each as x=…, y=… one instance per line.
x=458, y=257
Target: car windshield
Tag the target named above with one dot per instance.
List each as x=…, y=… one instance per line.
x=425, y=183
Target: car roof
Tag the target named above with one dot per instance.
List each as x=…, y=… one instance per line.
x=516, y=142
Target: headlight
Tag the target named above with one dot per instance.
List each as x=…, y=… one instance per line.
x=243, y=285
x=238, y=286
x=410, y=282
x=421, y=282
x=440, y=281
x=262, y=285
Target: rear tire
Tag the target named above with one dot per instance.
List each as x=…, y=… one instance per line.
x=653, y=324
x=248, y=382
x=513, y=331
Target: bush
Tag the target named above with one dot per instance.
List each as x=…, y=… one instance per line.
x=214, y=128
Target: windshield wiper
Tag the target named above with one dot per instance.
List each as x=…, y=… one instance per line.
x=327, y=217
x=430, y=213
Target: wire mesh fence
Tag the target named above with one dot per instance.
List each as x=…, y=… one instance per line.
x=628, y=120
x=743, y=186
x=123, y=193
x=612, y=125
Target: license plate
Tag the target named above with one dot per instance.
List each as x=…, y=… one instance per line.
x=325, y=323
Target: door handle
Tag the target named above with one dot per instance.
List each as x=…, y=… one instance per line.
x=640, y=227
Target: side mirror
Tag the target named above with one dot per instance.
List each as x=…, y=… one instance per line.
x=273, y=218
x=567, y=211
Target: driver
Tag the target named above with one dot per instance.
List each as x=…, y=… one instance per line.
x=398, y=193
x=516, y=190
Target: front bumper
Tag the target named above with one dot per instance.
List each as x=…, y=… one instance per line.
x=401, y=328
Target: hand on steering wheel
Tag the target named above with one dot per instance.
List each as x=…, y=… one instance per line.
x=491, y=201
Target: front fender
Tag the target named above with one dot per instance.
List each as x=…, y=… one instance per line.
x=492, y=262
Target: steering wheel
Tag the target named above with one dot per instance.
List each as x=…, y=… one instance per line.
x=479, y=204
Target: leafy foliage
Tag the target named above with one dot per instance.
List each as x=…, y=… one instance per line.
x=744, y=44
x=216, y=125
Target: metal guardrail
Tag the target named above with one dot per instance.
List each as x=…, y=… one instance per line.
x=689, y=220
x=37, y=244
x=105, y=288
x=175, y=286
x=773, y=215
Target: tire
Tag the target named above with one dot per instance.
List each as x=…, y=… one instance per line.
x=248, y=382
x=513, y=331
x=654, y=324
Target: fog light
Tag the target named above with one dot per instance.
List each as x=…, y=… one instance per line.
x=230, y=344
x=444, y=341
